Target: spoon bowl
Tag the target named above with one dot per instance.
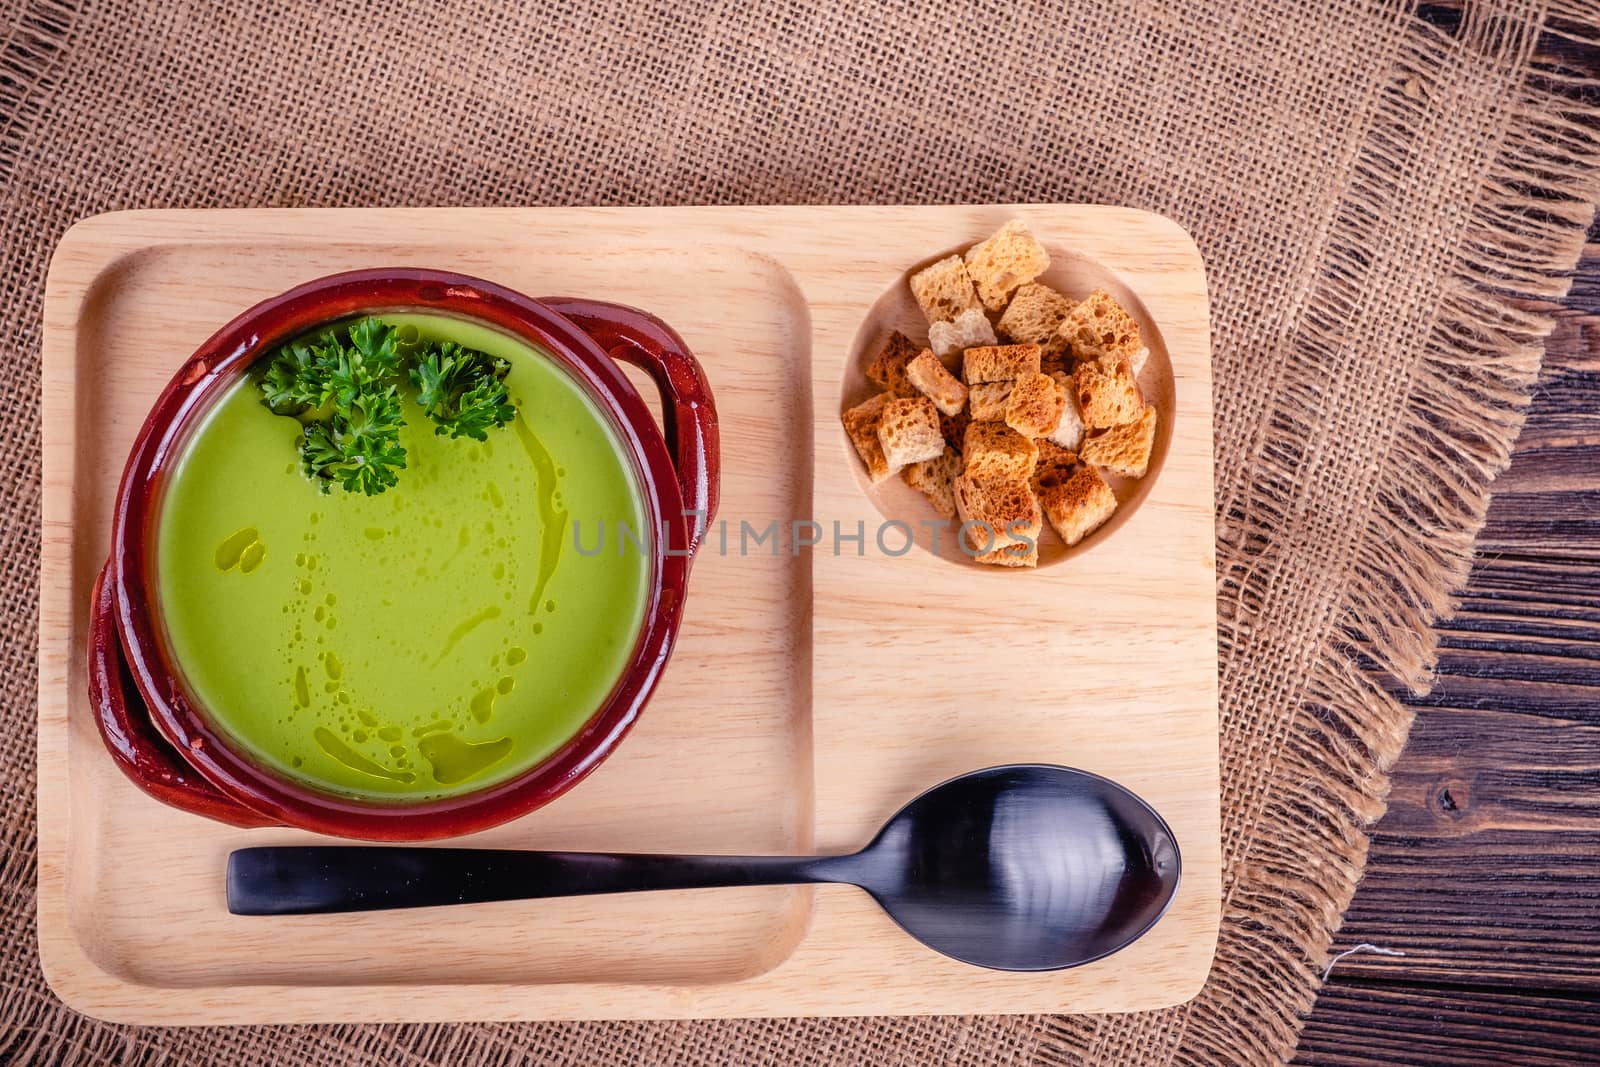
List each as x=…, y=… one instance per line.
x=1023, y=867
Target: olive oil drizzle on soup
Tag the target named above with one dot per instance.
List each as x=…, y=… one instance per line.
x=435, y=639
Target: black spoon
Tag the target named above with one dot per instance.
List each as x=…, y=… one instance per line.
x=1028, y=867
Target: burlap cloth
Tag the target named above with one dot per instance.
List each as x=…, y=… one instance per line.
x=1377, y=199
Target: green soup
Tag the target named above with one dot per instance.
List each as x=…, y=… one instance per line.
x=435, y=639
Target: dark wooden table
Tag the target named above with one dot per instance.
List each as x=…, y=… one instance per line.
x=1486, y=870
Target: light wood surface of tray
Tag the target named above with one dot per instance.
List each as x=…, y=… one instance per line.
x=810, y=695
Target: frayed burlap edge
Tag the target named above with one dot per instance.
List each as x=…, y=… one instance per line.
x=27, y=62
x=1468, y=391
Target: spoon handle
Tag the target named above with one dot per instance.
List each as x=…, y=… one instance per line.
x=316, y=879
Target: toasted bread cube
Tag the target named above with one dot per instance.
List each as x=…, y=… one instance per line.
x=994, y=450
x=861, y=424
x=1007, y=506
x=1124, y=449
x=1051, y=454
x=1016, y=554
x=1069, y=431
x=1055, y=465
x=1056, y=354
x=1034, y=314
x=1138, y=360
x=1035, y=406
x=888, y=367
x=1078, y=505
x=944, y=290
x=908, y=431
x=954, y=428
x=1009, y=258
x=1106, y=392
x=1000, y=520
x=999, y=363
x=1099, y=326
x=1053, y=363
x=987, y=401
x=933, y=381
x=970, y=329
x=936, y=478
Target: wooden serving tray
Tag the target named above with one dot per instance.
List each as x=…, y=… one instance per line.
x=810, y=696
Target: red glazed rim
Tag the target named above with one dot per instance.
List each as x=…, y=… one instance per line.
x=207, y=375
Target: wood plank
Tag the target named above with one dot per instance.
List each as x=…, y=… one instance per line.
x=1443, y=1026
x=1545, y=504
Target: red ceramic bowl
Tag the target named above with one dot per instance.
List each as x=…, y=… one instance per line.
x=191, y=764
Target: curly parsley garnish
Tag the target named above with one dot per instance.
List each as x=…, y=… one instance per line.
x=462, y=390
x=346, y=392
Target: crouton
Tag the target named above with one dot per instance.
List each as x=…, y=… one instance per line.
x=1009, y=258
x=908, y=431
x=1138, y=360
x=999, y=363
x=1034, y=314
x=944, y=290
x=888, y=367
x=1099, y=326
x=994, y=450
x=1056, y=354
x=1124, y=449
x=1106, y=392
x=1000, y=520
x=1069, y=431
x=1034, y=408
x=931, y=379
x=987, y=401
x=1051, y=453
x=1017, y=554
x=861, y=424
x=954, y=428
x=970, y=329
x=935, y=478
x=1055, y=465
x=1078, y=505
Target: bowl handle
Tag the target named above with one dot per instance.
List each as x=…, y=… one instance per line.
x=688, y=412
x=138, y=751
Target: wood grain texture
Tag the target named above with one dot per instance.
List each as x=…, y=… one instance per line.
x=811, y=694
x=1486, y=869
x=1435, y=1026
